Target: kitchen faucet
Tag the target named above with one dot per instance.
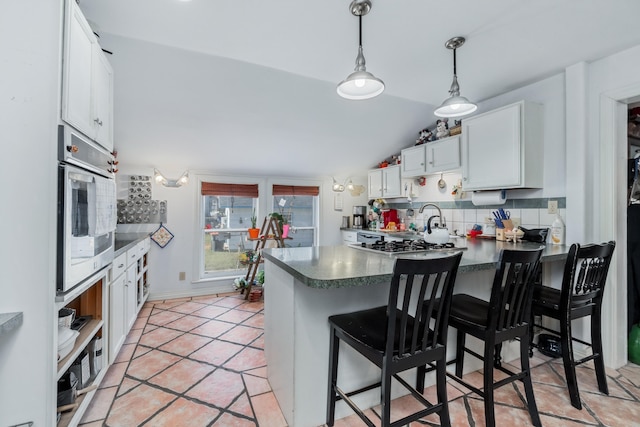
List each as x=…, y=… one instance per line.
x=443, y=222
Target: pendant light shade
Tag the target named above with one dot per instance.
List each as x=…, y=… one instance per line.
x=360, y=84
x=455, y=105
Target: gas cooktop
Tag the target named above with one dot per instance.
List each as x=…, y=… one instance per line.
x=403, y=246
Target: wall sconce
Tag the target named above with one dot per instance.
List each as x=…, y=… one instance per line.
x=348, y=184
x=161, y=179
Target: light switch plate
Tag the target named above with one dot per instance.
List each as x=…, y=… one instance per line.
x=552, y=207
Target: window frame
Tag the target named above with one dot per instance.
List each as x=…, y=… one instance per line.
x=265, y=206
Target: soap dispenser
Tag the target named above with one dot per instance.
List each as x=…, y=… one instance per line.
x=557, y=231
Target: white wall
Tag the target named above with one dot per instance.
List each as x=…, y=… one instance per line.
x=30, y=45
x=181, y=254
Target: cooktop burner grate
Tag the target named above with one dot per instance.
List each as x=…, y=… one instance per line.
x=403, y=246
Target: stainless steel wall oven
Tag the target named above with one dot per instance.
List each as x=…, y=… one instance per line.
x=86, y=208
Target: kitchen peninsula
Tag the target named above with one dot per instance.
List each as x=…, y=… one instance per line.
x=306, y=285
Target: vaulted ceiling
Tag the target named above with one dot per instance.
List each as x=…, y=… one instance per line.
x=313, y=45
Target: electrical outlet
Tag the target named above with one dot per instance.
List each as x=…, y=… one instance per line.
x=182, y=275
x=552, y=207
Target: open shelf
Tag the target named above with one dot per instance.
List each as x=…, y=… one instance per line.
x=73, y=417
x=86, y=334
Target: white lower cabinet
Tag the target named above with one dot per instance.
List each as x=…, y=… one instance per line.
x=130, y=297
x=349, y=237
x=128, y=290
x=117, y=328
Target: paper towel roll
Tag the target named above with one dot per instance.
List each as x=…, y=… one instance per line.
x=484, y=198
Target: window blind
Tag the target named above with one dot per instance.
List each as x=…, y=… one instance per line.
x=295, y=190
x=239, y=190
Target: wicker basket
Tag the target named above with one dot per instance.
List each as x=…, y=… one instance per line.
x=456, y=130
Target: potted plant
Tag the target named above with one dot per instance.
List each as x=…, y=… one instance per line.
x=254, y=231
x=285, y=227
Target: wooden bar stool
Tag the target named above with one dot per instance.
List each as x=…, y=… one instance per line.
x=585, y=275
x=405, y=334
x=504, y=317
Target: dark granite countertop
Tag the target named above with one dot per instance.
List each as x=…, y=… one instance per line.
x=343, y=266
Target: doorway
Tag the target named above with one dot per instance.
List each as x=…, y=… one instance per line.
x=611, y=211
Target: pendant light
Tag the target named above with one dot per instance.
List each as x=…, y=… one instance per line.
x=360, y=84
x=455, y=105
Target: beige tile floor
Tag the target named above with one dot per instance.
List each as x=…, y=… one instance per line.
x=200, y=362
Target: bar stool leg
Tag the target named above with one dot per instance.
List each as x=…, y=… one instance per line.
x=441, y=388
x=460, y=353
x=421, y=372
x=385, y=398
x=569, y=363
x=528, y=385
x=489, y=351
x=596, y=346
x=334, y=346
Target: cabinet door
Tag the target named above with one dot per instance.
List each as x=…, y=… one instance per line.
x=392, y=181
x=117, y=304
x=375, y=183
x=443, y=155
x=131, y=296
x=491, y=150
x=76, y=94
x=414, y=161
x=102, y=99
x=349, y=237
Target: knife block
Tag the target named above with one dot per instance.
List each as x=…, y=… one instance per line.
x=500, y=236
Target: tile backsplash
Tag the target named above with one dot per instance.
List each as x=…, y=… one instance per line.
x=461, y=216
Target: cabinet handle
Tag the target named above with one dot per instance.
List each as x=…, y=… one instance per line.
x=121, y=265
x=464, y=179
x=98, y=121
x=431, y=162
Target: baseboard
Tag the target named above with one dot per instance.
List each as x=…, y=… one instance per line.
x=213, y=289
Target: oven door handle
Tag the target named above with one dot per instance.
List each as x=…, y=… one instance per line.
x=81, y=177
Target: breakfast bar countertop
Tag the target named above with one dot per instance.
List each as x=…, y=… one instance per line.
x=342, y=266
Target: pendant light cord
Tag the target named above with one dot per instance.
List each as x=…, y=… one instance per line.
x=454, y=62
x=360, y=30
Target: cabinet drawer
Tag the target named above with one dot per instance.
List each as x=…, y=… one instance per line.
x=143, y=247
x=119, y=266
x=132, y=255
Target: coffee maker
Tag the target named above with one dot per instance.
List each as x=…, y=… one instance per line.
x=359, y=215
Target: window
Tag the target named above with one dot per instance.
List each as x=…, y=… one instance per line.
x=225, y=217
x=299, y=207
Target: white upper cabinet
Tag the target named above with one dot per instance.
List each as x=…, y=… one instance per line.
x=431, y=157
x=103, y=100
x=87, y=80
x=503, y=148
x=76, y=75
x=385, y=182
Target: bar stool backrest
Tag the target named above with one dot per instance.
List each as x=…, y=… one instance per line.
x=419, y=302
x=512, y=291
x=585, y=276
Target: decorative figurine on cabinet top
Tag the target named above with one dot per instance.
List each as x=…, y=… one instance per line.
x=442, y=128
x=425, y=135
